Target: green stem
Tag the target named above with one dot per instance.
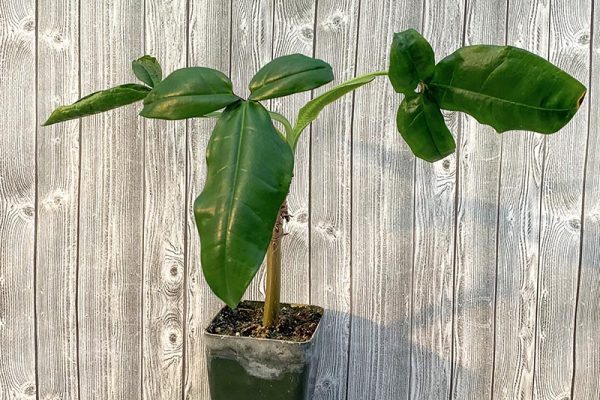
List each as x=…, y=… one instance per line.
x=273, y=284
x=284, y=121
x=311, y=110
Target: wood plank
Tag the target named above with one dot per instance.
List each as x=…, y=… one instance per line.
x=562, y=198
x=382, y=217
x=586, y=384
x=111, y=208
x=478, y=175
x=251, y=48
x=330, y=198
x=435, y=194
x=293, y=32
x=164, y=213
x=587, y=340
x=17, y=199
x=518, y=225
x=58, y=202
x=208, y=46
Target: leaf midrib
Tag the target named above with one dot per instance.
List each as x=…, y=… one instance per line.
x=235, y=188
x=486, y=96
x=268, y=82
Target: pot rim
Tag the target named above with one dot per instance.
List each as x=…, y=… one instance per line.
x=289, y=342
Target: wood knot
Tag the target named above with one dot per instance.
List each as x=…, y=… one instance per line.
x=583, y=38
x=307, y=33
x=28, y=25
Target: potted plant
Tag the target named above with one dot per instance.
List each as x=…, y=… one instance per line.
x=264, y=350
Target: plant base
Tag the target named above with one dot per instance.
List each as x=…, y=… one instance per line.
x=260, y=369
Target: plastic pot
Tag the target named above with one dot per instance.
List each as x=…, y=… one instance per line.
x=260, y=369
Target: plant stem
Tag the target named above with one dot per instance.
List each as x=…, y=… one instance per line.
x=284, y=121
x=273, y=285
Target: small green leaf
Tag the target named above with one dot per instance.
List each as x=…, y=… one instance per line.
x=189, y=92
x=287, y=75
x=147, y=70
x=249, y=170
x=411, y=61
x=311, y=110
x=507, y=88
x=422, y=126
x=98, y=102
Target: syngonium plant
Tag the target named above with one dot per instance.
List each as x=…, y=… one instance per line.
x=240, y=212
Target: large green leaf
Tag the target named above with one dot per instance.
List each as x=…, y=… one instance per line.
x=147, y=70
x=189, y=92
x=249, y=174
x=411, y=61
x=98, y=102
x=507, y=88
x=311, y=110
x=289, y=74
x=422, y=126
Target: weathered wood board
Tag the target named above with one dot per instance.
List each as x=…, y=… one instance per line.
x=473, y=278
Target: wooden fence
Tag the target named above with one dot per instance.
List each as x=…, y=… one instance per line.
x=477, y=277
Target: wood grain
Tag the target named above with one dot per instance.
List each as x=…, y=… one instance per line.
x=330, y=197
x=473, y=278
x=478, y=175
x=58, y=202
x=562, y=198
x=518, y=226
x=293, y=32
x=435, y=193
x=586, y=384
x=208, y=46
x=111, y=209
x=251, y=48
x=164, y=215
x=17, y=199
x=382, y=218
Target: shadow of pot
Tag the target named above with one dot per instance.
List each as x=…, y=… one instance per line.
x=260, y=369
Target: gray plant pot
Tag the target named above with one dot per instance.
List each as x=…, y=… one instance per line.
x=260, y=369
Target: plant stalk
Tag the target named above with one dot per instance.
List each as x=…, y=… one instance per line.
x=273, y=284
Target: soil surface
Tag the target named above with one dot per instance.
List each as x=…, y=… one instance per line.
x=297, y=323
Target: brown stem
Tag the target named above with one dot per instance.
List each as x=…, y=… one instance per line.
x=273, y=285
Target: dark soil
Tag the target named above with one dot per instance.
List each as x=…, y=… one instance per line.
x=297, y=323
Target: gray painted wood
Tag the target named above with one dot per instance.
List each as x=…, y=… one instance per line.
x=435, y=192
x=111, y=223
x=251, y=48
x=382, y=235
x=562, y=202
x=478, y=175
x=164, y=216
x=473, y=277
x=205, y=27
x=587, y=343
x=518, y=226
x=293, y=32
x=58, y=203
x=17, y=199
x=330, y=194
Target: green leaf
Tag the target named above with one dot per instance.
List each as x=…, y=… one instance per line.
x=189, y=92
x=311, y=110
x=507, y=88
x=422, y=126
x=289, y=74
x=248, y=177
x=411, y=61
x=98, y=102
x=147, y=70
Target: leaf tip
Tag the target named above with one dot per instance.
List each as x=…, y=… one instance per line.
x=581, y=98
